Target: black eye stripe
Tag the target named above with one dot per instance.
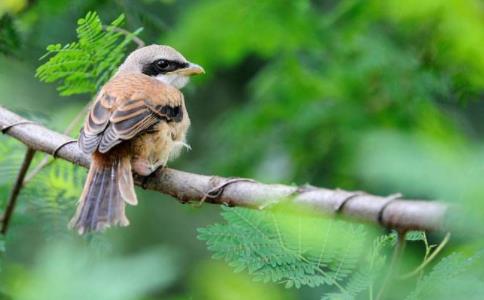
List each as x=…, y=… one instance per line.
x=162, y=66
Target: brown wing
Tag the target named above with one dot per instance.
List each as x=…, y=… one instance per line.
x=127, y=107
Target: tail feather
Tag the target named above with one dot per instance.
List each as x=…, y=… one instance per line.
x=125, y=182
x=109, y=186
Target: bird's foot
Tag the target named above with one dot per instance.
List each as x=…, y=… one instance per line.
x=145, y=167
x=145, y=179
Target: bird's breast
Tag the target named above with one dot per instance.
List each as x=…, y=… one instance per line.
x=160, y=144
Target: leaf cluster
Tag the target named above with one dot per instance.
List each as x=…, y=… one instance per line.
x=297, y=250
x=287, y=248
x=86, y=64
x=50, y=196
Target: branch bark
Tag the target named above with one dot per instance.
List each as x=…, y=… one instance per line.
x=46, y=161
x=12, y=199
x=390, y=212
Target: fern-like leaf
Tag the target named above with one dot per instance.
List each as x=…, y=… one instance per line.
x=286, y=248
x=368, y=272
x=53, y=194
x=85, y=65
x=415, y=236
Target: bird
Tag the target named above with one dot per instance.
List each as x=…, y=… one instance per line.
x=137, y=123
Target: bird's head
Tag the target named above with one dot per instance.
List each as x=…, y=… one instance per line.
x=163, y=63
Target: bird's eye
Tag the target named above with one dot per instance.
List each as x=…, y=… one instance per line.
x=162, y=64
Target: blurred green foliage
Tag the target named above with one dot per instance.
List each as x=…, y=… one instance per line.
x=449, y=279
x=383, y=96
x=11, y=6
x=83, y=273
x=8, y=36
x=227, y=284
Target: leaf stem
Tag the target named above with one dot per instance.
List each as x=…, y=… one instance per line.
x=430, y=258
x=131, y=35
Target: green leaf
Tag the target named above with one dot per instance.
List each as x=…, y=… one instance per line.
x=446, y=274
x=369, y=272
x=415, y=236
x=286, y=248
x=53, y=194
x=85, y=65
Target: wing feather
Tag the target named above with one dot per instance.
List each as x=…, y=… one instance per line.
x=123, y=110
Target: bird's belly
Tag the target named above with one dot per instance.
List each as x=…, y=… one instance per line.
x=153, y=150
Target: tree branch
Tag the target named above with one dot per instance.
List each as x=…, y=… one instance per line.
x=46, y=161
x=390, y=212
x=12, y=199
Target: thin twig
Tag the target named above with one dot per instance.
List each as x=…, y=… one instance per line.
x=428, y=249
x=397, y=254
x=135, y=39
x=12, y=199
x=431, y=257
x=218, y=190
x=47, y=160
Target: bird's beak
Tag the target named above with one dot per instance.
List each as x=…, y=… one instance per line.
x=192, y=69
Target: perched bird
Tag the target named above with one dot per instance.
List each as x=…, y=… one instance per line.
x=137, y=123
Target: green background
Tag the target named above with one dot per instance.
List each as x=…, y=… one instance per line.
x=381, y=96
